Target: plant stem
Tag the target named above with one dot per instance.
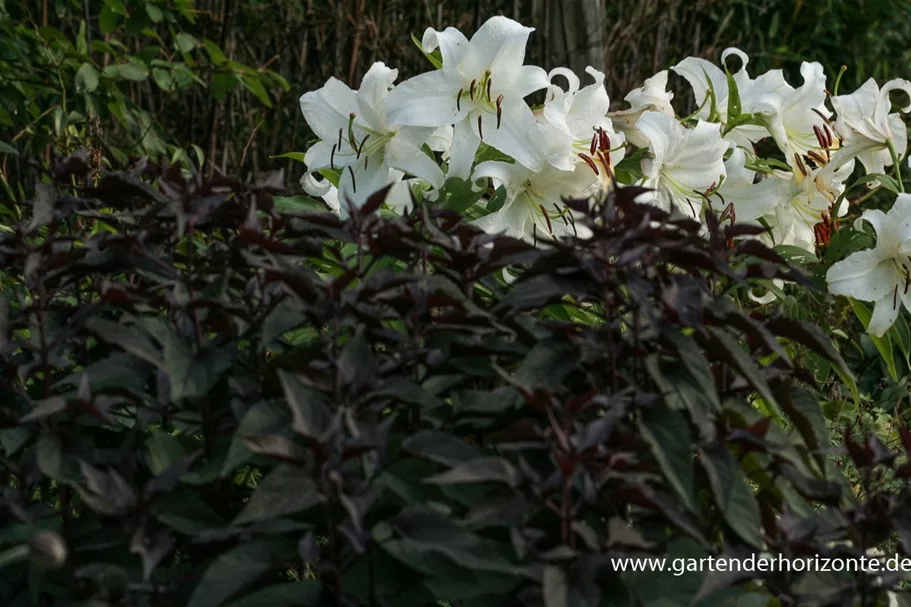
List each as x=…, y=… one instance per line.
x=896, y=165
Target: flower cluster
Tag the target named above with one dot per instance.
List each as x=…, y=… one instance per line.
x=469, y=120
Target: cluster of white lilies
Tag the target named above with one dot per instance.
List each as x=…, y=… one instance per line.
x=469, y=119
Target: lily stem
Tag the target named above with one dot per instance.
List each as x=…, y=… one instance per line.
x=896, y=165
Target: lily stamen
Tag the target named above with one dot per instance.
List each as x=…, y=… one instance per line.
x=561, y=213
x=351, y=140
x=594, y=143
x=800, y=165
x=361, y=148
x=820, y=137
x=480, y=132
x=604, y=139
x=589, y=162
x=339, y=144
x=489, y=80
x=471, y=89
x=353, y=182
x=829, y=139
x=550, y=227
x=332, y=157
x=499, y=110
x=816, y=158
x=459, y=100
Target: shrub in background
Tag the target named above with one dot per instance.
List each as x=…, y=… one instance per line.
x=216, y=395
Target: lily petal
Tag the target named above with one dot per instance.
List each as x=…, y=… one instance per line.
x=864, y=275
x=428, y=99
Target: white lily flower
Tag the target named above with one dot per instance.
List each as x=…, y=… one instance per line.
x=398, y=198
x=866, y=127
x=441, y=140
x=480, y=89
x=811, y=193
x=882, y=274
x=532, y=210
x=574, y=126
x=699, y=73
x=651, y=96
x=683, y=162
x=752, y=199
x=356, y=138
x=797, y=118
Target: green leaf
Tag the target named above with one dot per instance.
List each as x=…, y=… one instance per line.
x=215, y=53
x=107, y=20
x=133, y=71
x=286, y=490
x=883, y=344
x=734, y=106
x=163, y=79
x=901, y=334
x=234, y=570
x=735, y=500
x=298, y=156
x=126, y=71
x=496, y=202
x=86, y=78
x=435, y=58
x=154, y=12
x=254, y=84
x=6, y=148
x=117, y=7
x=458, y=195
x=184, y=42
x=82, y=45
x=668, y=434
x=221, y=84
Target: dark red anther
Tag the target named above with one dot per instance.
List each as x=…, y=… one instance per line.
x=815, y=157
x=550, y=228
x=590, y=162
x=800, y=165
x=604, y=140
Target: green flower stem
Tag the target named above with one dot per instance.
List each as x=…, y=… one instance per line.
x=896, y=165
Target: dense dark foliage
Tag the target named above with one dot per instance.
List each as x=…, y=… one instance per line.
x=214, y=396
